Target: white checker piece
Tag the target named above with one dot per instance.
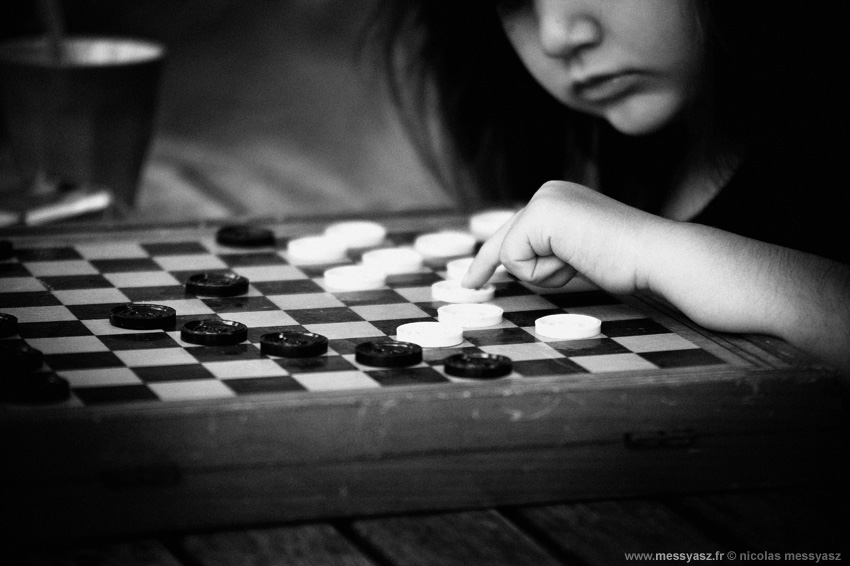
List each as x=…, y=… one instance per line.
x=353, y=278
x=457, y=268
x=305, y=301
x=430, y=334
x=357, y=233
x=451, y=291
x=128, y=279
x=317, y=249
x=567, y=326
x=445, y=244
x=487, y=222
x=191, y=389
x=394, y=261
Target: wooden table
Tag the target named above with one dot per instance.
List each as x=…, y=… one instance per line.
x=600, y=532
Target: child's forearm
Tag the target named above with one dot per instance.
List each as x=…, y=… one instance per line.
x=730, y=283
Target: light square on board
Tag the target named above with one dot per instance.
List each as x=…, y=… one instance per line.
x=68, y=345
x=655, y=342
x=156, y=357
x=305, y=301
x=40, y=314
x=524, y=351
x=191, y=262
x=270, y=273
x=91, y=296
x=415, y=294
x=243, y=369
x=389, y=312
x=336, y=381
x=191, y=389
x=20, y=285
x=111, y=250
x=613, y=362
x=58, y=268
x=260, y=318
x=100, y=377
x=142, y=279
x=339, y=330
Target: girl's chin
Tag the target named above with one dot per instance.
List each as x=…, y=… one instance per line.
x=642, y=114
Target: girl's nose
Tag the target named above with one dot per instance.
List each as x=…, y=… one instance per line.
x=564, y=31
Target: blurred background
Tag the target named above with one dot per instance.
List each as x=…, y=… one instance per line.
x=267, y=108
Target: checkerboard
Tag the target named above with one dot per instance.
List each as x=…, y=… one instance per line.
x=62, y=295
x=161, y=434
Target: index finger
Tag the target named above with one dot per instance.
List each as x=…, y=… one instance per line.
x=487, y=259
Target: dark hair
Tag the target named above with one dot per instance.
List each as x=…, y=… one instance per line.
x=452, y=71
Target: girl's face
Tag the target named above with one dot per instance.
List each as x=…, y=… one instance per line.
x=632, y=62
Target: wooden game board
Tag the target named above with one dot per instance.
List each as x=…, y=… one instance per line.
x=159, y=433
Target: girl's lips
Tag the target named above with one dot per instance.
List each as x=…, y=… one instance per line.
x=604, y=88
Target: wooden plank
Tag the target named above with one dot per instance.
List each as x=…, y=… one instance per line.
x=449, y=539
x=603, y=532
x=297, y=545
x=142, y=552
x=804, y=519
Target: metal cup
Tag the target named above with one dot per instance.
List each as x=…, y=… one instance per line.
x=82, y=117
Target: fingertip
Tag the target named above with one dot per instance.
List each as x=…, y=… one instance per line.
x=470, y=280
x=479, y=272
x=487, y=259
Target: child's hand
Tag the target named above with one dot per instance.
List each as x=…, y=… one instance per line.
x=720, y=280
x=567, y=228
